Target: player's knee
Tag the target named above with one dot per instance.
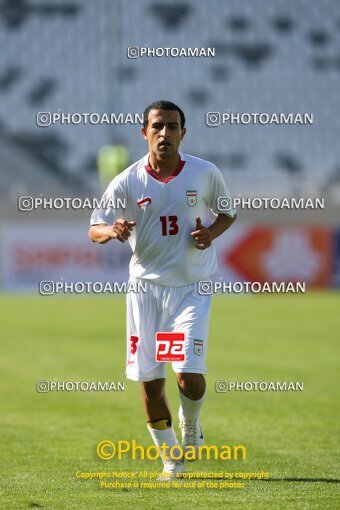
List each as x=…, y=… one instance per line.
x=191, y=385
x=153, y=390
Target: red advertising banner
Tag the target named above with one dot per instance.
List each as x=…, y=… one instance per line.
x=267, y=254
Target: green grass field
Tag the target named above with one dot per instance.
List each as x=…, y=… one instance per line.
x=47, y=437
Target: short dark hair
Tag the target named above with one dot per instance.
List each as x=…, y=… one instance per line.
x=162, y=105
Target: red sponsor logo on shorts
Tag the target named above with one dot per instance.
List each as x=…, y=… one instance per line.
x=170, y=346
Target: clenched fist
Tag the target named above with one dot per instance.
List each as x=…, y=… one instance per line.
x=121, y=229
x=202, y=235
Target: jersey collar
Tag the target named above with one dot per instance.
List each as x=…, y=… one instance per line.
x=169, y=177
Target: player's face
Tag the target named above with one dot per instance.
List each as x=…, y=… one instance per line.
x=164, y=133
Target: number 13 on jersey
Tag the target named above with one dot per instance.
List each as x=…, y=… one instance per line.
x=169, y=225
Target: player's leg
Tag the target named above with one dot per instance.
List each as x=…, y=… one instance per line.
x=160, y=425
x=192, y=386
x=192, y=390
x=144, y=319
x=154, y=400
x=192, y=318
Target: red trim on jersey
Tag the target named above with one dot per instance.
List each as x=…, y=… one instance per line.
x=170, y=177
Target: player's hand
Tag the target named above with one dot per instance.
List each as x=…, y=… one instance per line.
x=121, y=229
x=202, y=235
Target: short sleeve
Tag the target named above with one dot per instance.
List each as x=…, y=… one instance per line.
x=111, y=206
x=220, y=201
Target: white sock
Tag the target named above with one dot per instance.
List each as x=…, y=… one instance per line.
x=190, y=409
x=167, y=436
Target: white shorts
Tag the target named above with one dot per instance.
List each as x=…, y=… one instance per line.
x=165, y=309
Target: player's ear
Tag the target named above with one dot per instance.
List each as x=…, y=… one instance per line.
x=143, y=130
x=183, y=133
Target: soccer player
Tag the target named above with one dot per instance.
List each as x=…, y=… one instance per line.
x=171, y=220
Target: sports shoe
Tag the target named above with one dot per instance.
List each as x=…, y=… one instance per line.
x=172, y=469
x=192, y=434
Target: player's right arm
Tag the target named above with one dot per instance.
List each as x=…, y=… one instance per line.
x=120, y=230
x=107, y=220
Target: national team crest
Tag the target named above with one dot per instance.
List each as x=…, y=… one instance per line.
x=198, y=347
x=191, y=197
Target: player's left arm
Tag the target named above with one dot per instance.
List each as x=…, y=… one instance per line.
x=204, y=236
x=217, y=189
x=221, y=224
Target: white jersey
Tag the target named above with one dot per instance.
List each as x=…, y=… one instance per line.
x=165, y=212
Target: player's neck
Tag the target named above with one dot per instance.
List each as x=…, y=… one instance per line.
x=164, y=167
